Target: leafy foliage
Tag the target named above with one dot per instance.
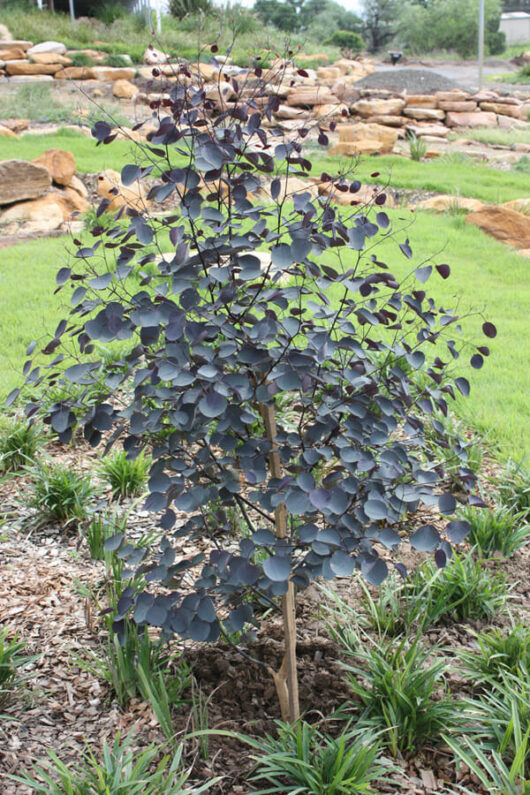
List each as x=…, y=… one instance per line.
x=120, y=769
x=499, y=530
x=490, y=768
x=497, y=653
x=127, y=476
x=18, y=447
x=346, y=40
x=513, y=489
x=258, y=301
x=304, y=760
x=397, y=684
x=12, y=662
x=99, y=529
x=58, y=493
x=417, y=146
x=181, y=8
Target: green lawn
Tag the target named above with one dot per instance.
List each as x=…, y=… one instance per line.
x=88, y=157
x=444, y=175
x=486, y=276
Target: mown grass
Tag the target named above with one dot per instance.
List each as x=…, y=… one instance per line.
x=444, y=175
x=42, y=103
x=89, y=158
x=494, y=136
x=486, y=276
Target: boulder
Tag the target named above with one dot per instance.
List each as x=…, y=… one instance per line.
x=465, y=106
x=294, y=185
x=422, y=101
x=5, y=34
x=131, y=196
x=78, y=186
x=519, y=205
x=124, y=89
x=502, y=107
x=421, y=113
x=312, y=95
x=504, y=224
x=383, y=138
x=329, y=73
x=20, y=180
x=108, y=73
x=48, y=46
x=285, y=112
x=21, y=44
x=74, y=73
x=5, y=132
x=455, y=95
x=364, y=146
x=366, y=195
x=330, y=111
x=421, y=130
x=12, y=54
x=444, y=202
x=14, y=79
x=16, y=125
x=50, y=57
x=98, y=56
x=389, y=121
x=39, y=216
x=27, y=68
x=477, y=119
x=153, y=57
x=378, y=107
x=60, y=164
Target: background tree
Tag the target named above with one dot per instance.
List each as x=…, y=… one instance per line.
x=380, y=17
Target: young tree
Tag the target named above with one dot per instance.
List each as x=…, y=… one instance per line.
x=380, y=17
x=276, y=366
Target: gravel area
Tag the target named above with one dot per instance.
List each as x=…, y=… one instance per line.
x=415, y=81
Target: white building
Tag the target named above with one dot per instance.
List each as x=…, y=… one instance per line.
x=516, y=26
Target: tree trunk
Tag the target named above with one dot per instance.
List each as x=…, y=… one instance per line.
x=286, y=679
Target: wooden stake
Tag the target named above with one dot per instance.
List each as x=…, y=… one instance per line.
x=286, y=679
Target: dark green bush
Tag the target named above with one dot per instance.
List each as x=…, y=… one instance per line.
x=346, y=40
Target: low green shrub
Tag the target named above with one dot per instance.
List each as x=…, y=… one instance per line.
x=494, y=531
x=18, y=446
x=99, y=529
x=497, y=653
x=401, y=693
x=81, y=59
x=59, y=494
x=417, y=147
x=301, y=759
x=513, y=489
x=346, y=40
x=119, y=770
x=12, y=662
x=126, y=476
x=490, y=769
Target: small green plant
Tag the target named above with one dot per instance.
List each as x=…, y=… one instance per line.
x=490, y=769
x=133, y=665
x=81, y=59
x=398, y=687
x=417, y=146
x=513, y=489
x=200, y=718
x=304, y=760
x=18, y=447
x=346, y=40
x=59, y=494
x=499, y=530
x=120, y=769
x=117, y=61
x=126, y=476
x=497, y=653
x=12, y=662
x=523, y=165
x=99, y=529
x=463, y=590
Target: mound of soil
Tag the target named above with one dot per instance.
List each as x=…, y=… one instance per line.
x=415, y=81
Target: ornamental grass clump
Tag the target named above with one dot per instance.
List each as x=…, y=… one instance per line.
x=257, y=301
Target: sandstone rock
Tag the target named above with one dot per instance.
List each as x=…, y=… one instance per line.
x=108, y=73
x=39, y=215
x=27, y=68
x=21, y=44
x=330, y=111
x=389, y=121
x=220, y=93
x=521, y=147
x=477, y=119
x=485, y=96
x=519, y=205
x=504, y=224
x=5, y=132
x=422, y=101
x=292, y=186
x=48, y=46
x=497, y=107
x=423, y=113
x=379, y=107
x=382, y=137
x=285, y=112
x=14, y=79
x=458, y=107
x=355, y=68
x=78, y=186
x=131, y=196
x=313, y=95
x=444, y=202
x=74, y=73
x=98, y=56
x=69, y=200
x=433, y=139
x=16, y=125
x=153, y=57
x=12, y=54
x=60, y=164
x=21, y=180
x=455, y=95
x=5, y=34
x=344, y=92
x=524, y=252
x=123, y=89
x=51, y=57
x=328, y=73
x=364, y=146
x=421, y=130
